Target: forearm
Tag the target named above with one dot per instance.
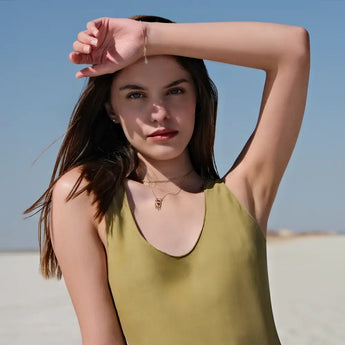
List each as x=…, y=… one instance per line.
x=250, y=44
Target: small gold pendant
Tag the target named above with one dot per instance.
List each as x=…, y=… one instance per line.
x=158, y=203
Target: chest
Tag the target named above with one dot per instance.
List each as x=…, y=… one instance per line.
x=175, y=227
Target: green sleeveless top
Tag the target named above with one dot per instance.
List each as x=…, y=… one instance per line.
x=218, y=293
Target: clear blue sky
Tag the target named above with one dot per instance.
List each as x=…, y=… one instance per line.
x=38, y=91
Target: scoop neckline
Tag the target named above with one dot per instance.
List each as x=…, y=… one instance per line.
x=139, y=234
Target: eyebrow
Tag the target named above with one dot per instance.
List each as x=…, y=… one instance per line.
x=139, y=87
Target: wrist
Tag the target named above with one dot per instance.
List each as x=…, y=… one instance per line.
x=144, y=27
x=158, y=36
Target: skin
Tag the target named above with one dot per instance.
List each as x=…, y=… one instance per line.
x=157, y=106
x=143, y=104
x=281, y=51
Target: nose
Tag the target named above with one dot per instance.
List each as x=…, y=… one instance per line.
x=159, y=112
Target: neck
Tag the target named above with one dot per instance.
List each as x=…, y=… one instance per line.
x=163, y=169
x=178, y=171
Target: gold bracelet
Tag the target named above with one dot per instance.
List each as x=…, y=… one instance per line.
x=145, y=43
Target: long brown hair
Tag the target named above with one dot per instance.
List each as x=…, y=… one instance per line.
x=99, y=147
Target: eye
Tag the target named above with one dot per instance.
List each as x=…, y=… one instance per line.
x=135, y=95
x=176, y=91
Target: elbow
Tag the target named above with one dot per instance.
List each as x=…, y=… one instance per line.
x=299, y=45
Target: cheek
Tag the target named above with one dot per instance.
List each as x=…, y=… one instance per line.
x=188, y=118
x=131, y=126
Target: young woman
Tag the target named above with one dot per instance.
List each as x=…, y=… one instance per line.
x=154, y=247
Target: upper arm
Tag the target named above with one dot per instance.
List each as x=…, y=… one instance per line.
x=257, y=172
x=82, y=259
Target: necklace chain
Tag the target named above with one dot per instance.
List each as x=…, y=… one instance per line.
x=159, y=201
x=148, y=182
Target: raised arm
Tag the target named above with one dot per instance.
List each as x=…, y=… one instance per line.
x=81, y=256
x=282, y=51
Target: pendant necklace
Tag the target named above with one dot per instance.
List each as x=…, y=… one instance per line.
x=159, y=201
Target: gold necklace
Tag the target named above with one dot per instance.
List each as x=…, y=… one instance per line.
x=159, y=201
x=167, y=180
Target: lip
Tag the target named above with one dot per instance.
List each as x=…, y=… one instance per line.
x=163, y=134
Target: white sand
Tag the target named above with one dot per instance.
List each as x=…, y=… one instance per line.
x=307, y=278
x=33, y=311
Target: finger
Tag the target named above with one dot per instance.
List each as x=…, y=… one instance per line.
x=86, y=38
x=85, y=72
x=94, y=25
x=81, y=59
x=81, y=47
x=97, y=70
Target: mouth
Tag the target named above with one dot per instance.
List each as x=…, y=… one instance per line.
x=163, y=134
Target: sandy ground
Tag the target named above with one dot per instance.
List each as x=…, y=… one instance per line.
x=307, y=279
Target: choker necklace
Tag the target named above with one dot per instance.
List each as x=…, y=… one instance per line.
x=148, y=182
x=159, y=201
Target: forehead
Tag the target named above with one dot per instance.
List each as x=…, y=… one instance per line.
x=159, y=71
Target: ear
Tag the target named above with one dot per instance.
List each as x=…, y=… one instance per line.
x=111, y=113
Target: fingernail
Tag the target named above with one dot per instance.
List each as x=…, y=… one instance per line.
x=94, y=42
x=86, y=49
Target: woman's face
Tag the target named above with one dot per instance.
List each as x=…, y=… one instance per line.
x=155, y=104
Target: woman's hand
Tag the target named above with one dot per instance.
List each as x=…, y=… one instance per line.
x=109, y=45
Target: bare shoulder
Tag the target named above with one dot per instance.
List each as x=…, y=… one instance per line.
x=66, y=183
x=80, y=209
x=63, y=188
x=71, y=213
